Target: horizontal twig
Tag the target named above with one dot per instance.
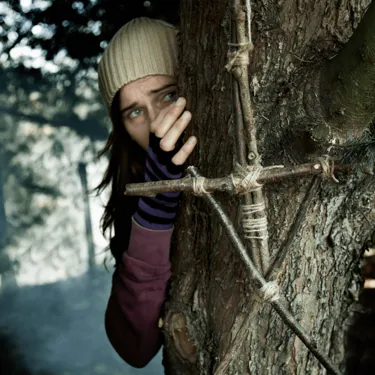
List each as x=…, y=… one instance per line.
x=284, y=314
x=225, y=184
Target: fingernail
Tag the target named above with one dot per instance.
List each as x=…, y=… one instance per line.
x=180, y=101
x=185, y=115
x=191, y=141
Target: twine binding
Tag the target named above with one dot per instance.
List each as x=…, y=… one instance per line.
x=270, y=291
x=198, y=186
x=254, y=227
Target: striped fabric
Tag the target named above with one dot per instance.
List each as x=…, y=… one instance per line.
x=159, y=212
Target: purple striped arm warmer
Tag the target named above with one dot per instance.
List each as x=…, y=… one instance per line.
x=159, y=212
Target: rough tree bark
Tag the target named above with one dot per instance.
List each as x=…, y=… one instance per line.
x=215, y=320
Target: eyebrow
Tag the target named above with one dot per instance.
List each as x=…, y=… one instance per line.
x=133, y=105
x=162, y=88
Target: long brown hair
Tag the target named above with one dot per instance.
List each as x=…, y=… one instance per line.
x=126, y=164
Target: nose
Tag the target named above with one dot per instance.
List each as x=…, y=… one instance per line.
x=153, y=112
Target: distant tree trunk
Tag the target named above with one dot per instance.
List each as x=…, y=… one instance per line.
x=215, y=320
x=88, y=223
x=3, y=231
x=7, y=272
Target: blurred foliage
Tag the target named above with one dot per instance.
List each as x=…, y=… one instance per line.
x=50, y=51
x=81, y=28
x=69, y=98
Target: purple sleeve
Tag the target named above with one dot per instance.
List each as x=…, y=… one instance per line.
x=138, y=293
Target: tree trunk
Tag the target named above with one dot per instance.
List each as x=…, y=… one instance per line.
x=88, y=222
x=216, y=321
x=3, y=227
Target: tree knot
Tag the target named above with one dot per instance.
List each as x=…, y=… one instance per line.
x=182, y=338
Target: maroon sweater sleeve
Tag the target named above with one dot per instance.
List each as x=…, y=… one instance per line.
x=138, y=293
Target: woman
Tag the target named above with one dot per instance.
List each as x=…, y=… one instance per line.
x=137, y=80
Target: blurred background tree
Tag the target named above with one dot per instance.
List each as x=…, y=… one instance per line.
x=53, y=125
x=79, y=30
x=59, y=42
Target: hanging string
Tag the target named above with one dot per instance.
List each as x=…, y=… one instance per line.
x=328, y=167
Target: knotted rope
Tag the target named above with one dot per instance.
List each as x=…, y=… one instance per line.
x=239, y=57
x=198, y=186
x=254, y=222
x=270, y=291
x=245, y=178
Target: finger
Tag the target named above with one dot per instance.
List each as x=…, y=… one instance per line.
x=185, y=151
x=173, y=113
x=168, y=143
x=156, y=123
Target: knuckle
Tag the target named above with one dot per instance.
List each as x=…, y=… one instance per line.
x=183, y=122
x=158, y=133
x=161, y=130
x=166, y=147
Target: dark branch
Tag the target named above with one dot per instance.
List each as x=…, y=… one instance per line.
x=243, y=103
x=294, y=229
x=240, y=136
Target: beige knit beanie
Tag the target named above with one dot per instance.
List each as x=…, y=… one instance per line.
x=141, y=48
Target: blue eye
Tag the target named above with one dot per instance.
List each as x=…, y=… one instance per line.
x=170, y=96
x=135, y=113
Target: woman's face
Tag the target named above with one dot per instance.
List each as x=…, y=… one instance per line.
x=142, y=100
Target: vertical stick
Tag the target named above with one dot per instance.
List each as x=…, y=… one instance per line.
x=240, y=149
x=239, y=134
x=243, y=111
